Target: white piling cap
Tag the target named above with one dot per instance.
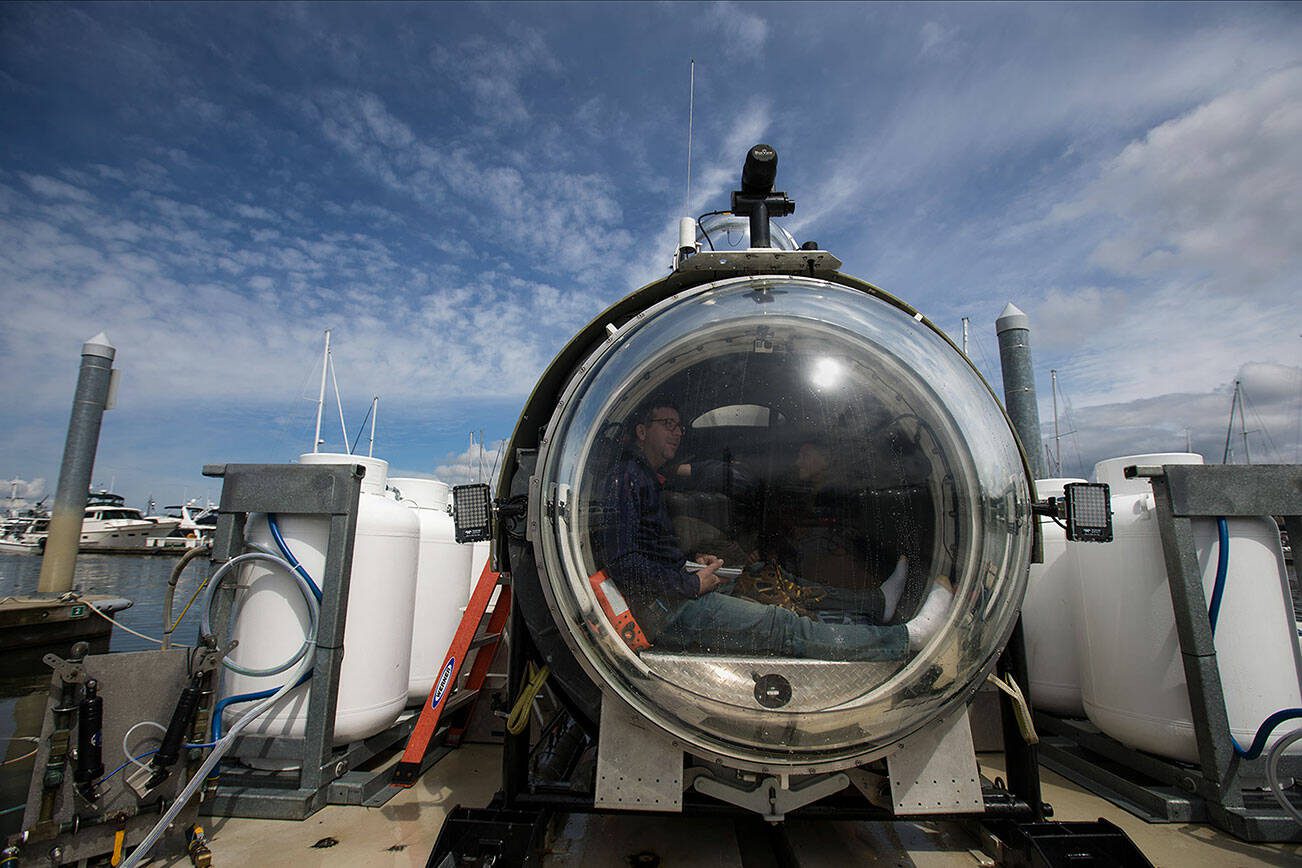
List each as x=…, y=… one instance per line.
x=1012, y=318
x=99, y=346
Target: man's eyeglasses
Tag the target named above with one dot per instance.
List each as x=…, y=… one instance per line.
x=673, y=426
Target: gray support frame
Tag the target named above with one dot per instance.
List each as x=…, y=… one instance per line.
x=325, y=775
x=1217, y=785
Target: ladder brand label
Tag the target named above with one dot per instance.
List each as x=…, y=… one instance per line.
x=443, y=682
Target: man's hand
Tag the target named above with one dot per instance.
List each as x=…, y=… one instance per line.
x=707, y=574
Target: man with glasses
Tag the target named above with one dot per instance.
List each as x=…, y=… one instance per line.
x=691, y=609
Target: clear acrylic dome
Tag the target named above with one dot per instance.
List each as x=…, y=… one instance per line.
x=825, y=442
x=732, y=232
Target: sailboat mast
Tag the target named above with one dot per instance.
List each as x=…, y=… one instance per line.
x=340, y=402
x=375, y=411
x=1243, y=425
x=1057, y=437
x=1229, y=430
x=320, y=397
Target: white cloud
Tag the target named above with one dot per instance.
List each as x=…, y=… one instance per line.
x=21, y=493
x=933, y=35
x=477, y=463
x=494, y=73
x=741, y=33
x=1198, y=223
x=1218, y=189
x=959, y=119
x=254, y=212
x=178, y=286
x=1166, y=423
x=52, y=188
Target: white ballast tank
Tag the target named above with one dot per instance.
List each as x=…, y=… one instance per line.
x=1132, y=677
x=440, y=585
x=270, y=616
x=1049, y=617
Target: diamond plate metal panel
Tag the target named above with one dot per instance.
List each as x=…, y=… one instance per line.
x=813, y=684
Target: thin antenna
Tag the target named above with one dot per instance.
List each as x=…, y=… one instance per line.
x=471, y=450
x=1188, y=440
x=375, y=411
x=965, y=336
x=481, y=454
x=691, y=108
x=320, y=398
x=340, y=402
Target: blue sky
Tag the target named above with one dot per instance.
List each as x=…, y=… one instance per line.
x=455, y=189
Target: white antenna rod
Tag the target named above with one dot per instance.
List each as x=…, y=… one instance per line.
x=320, y=398
x=347, y=443
x=471, y=452
x=965, y=336
x=691, y=107
x=481, y=454
x=375, y=411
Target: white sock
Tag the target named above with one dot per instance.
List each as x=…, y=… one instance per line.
x=893, y=588
x=928, y=620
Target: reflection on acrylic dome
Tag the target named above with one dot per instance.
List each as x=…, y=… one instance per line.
x=732, y=232
x=829, y=447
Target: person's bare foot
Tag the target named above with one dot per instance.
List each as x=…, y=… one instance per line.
x=893, y=588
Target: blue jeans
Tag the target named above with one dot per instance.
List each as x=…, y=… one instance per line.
x=719, y=623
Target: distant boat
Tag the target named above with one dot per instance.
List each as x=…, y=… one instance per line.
x=107, y=524
x=196, y=527
x=196, y=522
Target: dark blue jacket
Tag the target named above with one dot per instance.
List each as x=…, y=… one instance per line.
x=639, y=544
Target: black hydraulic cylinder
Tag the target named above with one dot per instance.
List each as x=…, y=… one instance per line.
x=90, y=739
x=173, y=739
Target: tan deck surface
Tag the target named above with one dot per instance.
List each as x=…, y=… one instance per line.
x=402, y=833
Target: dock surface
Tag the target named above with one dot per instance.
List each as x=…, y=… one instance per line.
x=403, y=832
x=38, y=621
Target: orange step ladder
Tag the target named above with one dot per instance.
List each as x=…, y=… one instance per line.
x=445, y=696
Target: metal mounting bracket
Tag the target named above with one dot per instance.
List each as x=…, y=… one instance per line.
x=935, y=771
x=638, y=767
x=209, y=659
x=773, y=797
x=71, y=672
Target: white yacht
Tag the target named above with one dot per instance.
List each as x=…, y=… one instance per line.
x=109, y=524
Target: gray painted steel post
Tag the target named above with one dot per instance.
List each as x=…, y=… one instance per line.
x=69, y=508
x=1014, y=329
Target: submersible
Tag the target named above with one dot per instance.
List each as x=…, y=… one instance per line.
x=766, y=351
